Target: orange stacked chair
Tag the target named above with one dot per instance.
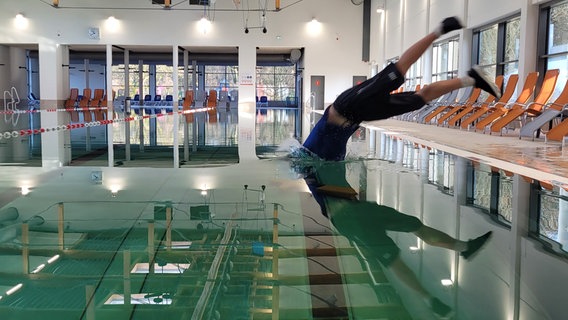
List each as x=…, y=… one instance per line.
x=102, y=111
x=468, y=97
x=558, y=132
x=71, y=102
x=483, y=109
x=499, y=110
x=212, y=103
x=187, y=102
x=95, y=103
x=533, y=108
x=453, y=118
x=552, y=111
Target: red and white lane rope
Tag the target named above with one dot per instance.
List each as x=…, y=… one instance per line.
x=72, y=126
x=74, y=109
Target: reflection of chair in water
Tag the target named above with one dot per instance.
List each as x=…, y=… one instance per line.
x=84, y=105
x=187, y=103
x=135, y=103
x=71, y=102
x=102, y=111
x=148, y=103
x=212, y=103
x=95, y=104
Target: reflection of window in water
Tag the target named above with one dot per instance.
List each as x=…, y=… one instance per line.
x=505, y=197
x=174, y=268
x=441, y=170
x=141, y=298
x=553, y=205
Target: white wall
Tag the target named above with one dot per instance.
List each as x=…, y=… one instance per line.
x=416, y=21
x=481, y=12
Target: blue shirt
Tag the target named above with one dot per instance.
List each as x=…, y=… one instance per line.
x=329, y=141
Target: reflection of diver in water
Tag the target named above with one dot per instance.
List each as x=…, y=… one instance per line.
x=366, y=224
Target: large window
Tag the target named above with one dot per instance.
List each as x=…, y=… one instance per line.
x=553, y=48
x=161, y=84
x=548, y=215
x=221, y=78
x=165, y=81
x=445, y=60
x=118, y=83
x=276, y=82
x=512, y=45
x=441, y=170
x=496, y=47
x=414, y=75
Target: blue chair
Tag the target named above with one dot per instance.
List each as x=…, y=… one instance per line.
x=169, y=103
x=263, y=102
x=147, y=104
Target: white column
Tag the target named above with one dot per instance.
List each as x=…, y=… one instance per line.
x=110, y=110
x=528, y=42
x=372, y=142
x=519, y=230
x=399, y=150
x=466, y=38
x=51, y=88
x=127, y=110
x=427, y=56
x=424, y=163
x=247, y=102
x=393, y=148
x=383, y=146
x=141, y=103
x=87, y=85
x=460, y=196
x=175, y=63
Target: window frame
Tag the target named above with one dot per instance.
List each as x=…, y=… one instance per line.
x=452, y=71
x=500, y=62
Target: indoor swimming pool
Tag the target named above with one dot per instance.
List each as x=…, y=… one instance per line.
x=263, y=240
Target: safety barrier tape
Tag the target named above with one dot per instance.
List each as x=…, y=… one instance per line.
x=26, y=132
x=77, y=109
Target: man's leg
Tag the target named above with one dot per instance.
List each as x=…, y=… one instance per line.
x=474, y=78
x=437, y=238
x=440, y=88
x=411, y=55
